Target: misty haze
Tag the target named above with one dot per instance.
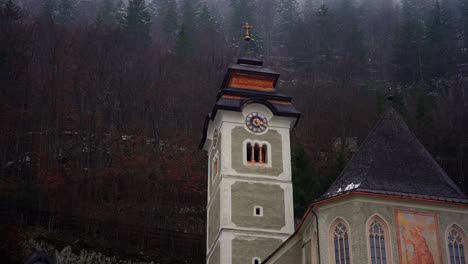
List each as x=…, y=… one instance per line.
x=103, y=106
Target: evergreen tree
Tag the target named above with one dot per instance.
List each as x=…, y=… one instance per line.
x=170, y=16
x=107, y=12
x=379, y=20
x=327, y=34
x=10, y=16
x=287, y=20
x=305, y=185
x=265, y=23
x=204, y=18
x=120, y=12
x=137, y=20
x=350, y=50
x=154, y=8
x=65, y=12
x=465, y=23
x=183, y=45
x=48, y=10
x=187, y=33
x=439, y=61
x=10, y=12
x=190, y=12
x=408, y=51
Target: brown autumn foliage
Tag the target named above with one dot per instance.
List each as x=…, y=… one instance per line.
x=102, y=127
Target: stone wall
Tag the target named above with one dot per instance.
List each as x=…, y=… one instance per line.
x=67, y=255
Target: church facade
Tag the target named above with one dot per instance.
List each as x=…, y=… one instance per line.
x=391, y=204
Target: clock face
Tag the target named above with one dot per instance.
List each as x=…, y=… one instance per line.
x=256, y=122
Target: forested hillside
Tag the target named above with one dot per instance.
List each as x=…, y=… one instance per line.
x=102, y=102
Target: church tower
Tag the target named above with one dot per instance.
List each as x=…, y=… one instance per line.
x=250, y=196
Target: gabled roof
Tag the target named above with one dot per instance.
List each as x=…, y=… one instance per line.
x=392, y=161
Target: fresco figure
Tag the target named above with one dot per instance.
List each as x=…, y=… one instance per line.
x=418, y=237
x=417, y=250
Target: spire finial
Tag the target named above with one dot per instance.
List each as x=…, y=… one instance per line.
x=247, y=28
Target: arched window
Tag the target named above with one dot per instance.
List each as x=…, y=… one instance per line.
x=215, y=167
x=379, y=241
x=264, y=153
x=340, y=251
x=256, y=260
x=249, y=152
x=456, y=245
x=256, y=153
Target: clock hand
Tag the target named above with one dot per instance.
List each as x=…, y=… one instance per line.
x=259, y=123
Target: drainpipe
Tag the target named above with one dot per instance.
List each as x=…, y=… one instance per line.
x=317, y=227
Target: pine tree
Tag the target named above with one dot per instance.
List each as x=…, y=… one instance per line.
x=107, y=12
x=379, y=20
x=170, y=16
x=190, y=12
x=465, y=23
x=183, y=45
x=438, y=58
x=287, y=20
x=10, y=12
x=327, y=34
x=350, y=51
x=65, y=12
x=137, y=20
x=408, y=51
x=10, y=16
x=154, y=8
x=204, y=18
x=305, y=184
x=48, y=10
x=120, y=12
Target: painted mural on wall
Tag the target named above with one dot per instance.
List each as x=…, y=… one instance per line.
x=418, y=237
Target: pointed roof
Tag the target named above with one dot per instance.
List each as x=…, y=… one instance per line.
x=393, y=161
x=249, y=82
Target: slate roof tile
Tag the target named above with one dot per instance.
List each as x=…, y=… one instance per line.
x=393, y=161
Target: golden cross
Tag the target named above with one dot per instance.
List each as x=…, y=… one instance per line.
x=247, y=28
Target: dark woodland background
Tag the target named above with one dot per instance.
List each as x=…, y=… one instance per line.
x=102, y=104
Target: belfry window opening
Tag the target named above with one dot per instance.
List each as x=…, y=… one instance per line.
x=257, y=153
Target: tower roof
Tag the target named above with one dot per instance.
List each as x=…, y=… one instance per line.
x=249, y=82
x=393, y=161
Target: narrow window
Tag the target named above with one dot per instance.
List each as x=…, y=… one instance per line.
x=264, y=153
x=258, y=211
x=257, y=153
x=249, y=152
x=379, y=241
x=340, y=244
x=456, y=245
x=256, y=260
x=215, y=167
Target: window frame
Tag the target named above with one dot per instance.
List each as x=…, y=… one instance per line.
x=261, y=143
x=331, y=244
x=464, y=240
x=255, y=210
x=388, y=245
